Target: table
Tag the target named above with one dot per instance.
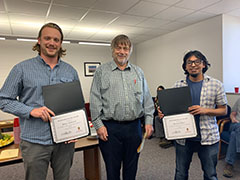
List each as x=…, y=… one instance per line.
x=6, y=124
x=91, y=157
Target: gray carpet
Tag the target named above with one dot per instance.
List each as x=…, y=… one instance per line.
x=154, y=163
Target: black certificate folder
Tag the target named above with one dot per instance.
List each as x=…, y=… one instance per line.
x=174, y=100
x=64, y=97
x=66, y=101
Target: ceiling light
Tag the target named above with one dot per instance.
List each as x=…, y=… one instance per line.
x=66, y=42
x=95, y=43
x=23, y=39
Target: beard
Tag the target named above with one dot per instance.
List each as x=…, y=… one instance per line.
x=121, y=62
x=193, y=75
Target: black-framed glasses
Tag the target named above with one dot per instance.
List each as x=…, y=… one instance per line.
x=196, y=62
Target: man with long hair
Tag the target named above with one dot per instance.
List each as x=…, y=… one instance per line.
x=21, y=95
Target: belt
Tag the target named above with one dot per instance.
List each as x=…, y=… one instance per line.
x=122, y=122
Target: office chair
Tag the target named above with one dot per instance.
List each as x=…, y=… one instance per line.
x=224, y=125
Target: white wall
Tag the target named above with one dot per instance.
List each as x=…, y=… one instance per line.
x=231, y=49
x=161, y=58
x=13, y=52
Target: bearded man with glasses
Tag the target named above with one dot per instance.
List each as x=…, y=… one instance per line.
x=208, y=101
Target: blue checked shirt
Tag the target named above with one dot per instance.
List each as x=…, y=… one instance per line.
x=212, y=94
x=120, y=95
x=22, y=92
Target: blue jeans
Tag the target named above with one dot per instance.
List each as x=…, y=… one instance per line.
x=234, y=143
x=206, y=153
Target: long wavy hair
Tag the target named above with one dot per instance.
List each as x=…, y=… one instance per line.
x=36, y=47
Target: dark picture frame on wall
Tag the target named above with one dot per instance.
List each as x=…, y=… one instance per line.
x=90, y=68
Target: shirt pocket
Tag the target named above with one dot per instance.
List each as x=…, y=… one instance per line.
x=65, y=79
x=138, y=91
x=105, y=85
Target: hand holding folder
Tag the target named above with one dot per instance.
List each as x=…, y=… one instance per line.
x=178, y=123
x=66, y=101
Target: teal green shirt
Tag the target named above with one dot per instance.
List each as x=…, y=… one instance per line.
x=122, y=95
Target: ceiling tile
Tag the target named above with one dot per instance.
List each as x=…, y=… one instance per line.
x=63, y=22
x=223, y=6
x=91, y=27
x=78, y=34
x=27, y=7
x=102, y=37
x=2, y=8
x=21, y=30
x=75, y=3
x=99, y=17
x=114, y=6
x=174, y=26
x=3, y=18
x=157, y=32
x=102, y=19
x=129, y=29
x=42, y=1
x=140, y=38
x=26, y=20
x=173, y=13
x=196, y=17
x=167, y=2
x=196, y=5
x=153, y=23
x=58, y=11
x=5, y=29
x=146, y=9
x=235, y=13
x=129, y=20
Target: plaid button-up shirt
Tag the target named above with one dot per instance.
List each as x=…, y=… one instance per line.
x=212, y=94
x=120, y=95
x=22, y=92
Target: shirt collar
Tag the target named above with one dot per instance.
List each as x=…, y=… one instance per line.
x=39, y=58
x=205, y=79
x=114, y=65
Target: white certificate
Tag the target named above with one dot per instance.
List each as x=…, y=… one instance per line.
x=179, y=126
x=69, y=126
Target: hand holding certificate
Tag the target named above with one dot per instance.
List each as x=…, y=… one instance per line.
x=179, y=126
x=69, y=126
x=66, y=100
x=177, y=122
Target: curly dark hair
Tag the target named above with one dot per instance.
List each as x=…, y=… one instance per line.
x=198, y=55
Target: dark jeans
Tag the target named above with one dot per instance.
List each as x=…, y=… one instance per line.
x=234, y=143
x=159, y=130
x=206, y=153
x=121, y=149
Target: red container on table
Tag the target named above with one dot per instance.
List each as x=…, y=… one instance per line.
x=16, y=131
